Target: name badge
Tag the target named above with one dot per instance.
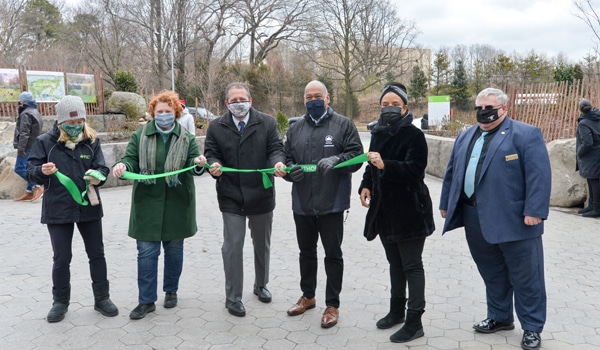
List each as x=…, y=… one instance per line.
x=510, y=157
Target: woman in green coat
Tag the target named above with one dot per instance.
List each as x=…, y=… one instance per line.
x=163, y=210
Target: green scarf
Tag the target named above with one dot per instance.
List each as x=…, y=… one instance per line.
x=176, y=156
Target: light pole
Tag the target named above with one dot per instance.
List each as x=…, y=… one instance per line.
x=172, y=67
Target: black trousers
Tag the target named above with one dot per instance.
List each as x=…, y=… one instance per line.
x=594, y=186
x=406, y=267
x=330, y=228
x=61, y=236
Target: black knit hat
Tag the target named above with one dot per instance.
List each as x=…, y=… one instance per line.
x=396, y=88
x=585, y=105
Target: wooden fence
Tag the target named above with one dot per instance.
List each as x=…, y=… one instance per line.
x=553, y=107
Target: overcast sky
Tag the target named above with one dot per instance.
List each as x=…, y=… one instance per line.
x=548, y=27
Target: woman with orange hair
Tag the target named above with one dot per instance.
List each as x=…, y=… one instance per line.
x=163, y=209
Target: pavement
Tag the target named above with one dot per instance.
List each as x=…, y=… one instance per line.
x=454, y=291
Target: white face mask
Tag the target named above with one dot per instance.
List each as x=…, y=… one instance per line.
x=164, y=120
x=239, y=109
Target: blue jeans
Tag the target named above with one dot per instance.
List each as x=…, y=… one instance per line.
x=148, y=253
x=21, y=169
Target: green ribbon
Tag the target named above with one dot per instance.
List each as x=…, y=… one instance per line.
x=267, y=183
x=72, y=187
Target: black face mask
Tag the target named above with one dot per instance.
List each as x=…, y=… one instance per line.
x=485, y=116
x=390, y=115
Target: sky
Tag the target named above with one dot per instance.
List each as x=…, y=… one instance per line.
x=549, y=27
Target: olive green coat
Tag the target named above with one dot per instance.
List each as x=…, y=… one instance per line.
x=159, y=212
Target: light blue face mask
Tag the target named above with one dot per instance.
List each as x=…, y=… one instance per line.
x=164, y=120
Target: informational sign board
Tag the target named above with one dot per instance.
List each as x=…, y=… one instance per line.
x=46, y=86
x=82, y=85
x=10, y=85
x=438, y=109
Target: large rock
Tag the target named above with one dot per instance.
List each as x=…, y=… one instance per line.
x=7, y=134
x=569, y=189
x=128, y=103
x=11, y=184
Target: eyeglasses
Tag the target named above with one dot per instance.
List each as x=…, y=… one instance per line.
x=487, y=108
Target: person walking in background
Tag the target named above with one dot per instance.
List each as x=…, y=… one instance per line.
x=497, y=185
x=72, y=148
x=187, y=120
x=163, y=210
x=28, y=128
x=588, y=155
x=425, y=122
x=325, y=138
x=244, y=138
x=400, y=208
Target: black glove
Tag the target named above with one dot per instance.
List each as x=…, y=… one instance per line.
x=296, y=173
x=327, y=164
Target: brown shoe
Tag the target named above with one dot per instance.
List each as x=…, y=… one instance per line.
x=302, y=305
x=330, y=317
x=38, y=192
x=27, y=197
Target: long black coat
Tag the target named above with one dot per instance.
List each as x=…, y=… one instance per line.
x=400, y=206
x=588, y=144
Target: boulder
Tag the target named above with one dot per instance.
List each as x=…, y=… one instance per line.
x=128, y=103
x=569, y=189
x=7, y=134
x=11, y=184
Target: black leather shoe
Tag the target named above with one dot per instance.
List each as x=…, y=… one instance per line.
x=141, y=311
x=531, y=340
x=170, y=300
x=490, y=326
x=237, y=309
x=263, y=294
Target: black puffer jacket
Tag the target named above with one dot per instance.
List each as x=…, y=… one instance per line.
x=588, y=144
x=259, y=147
x=58, y=207
x=400, y=207
x=307, y=143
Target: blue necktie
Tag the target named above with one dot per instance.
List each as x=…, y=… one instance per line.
x=241, y=126
x=472, y=166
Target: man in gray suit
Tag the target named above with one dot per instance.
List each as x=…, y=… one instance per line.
x=244, y=138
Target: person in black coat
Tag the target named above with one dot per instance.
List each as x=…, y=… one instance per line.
x=588, y=154
x=72, y=148
x=400, y=208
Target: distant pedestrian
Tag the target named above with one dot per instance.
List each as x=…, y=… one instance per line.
x=28, y=128
x=72, y=148
x=425, y=122
x=187, y=120
x=588, y=154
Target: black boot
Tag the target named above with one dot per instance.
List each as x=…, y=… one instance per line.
x=60, y=305
x=412, y=328
x=396, y=314
x=102, y=301
x=590, y=207
x=594, y=213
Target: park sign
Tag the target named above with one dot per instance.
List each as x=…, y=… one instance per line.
x=82, y=85
x=438, y=110
x=46, y=86
x=10, y=85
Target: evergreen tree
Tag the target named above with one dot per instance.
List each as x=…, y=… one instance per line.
x=460, y=94
x=441, y=73
x=418, y=85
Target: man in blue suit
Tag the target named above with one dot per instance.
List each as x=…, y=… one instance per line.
x=497, y=185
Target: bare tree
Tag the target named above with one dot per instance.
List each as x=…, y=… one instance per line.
x=361, y=42
x=587, y=11
x=10, y=33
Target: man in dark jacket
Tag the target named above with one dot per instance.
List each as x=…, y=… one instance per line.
x=28, y=128
x=244, y=138
x=319, y=199
x=588, y=154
